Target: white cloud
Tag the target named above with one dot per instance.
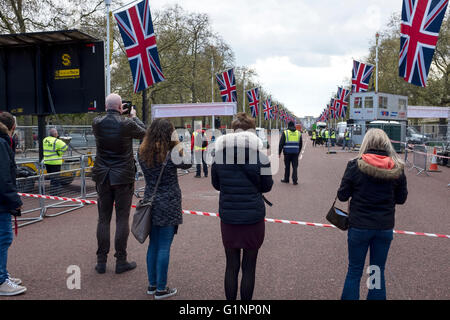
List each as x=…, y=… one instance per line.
x=302, y=50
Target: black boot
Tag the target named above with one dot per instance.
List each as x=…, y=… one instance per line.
x=125, y=266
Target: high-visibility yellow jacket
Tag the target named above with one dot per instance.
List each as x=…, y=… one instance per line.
x=347, y=135
x=327, y=134
x=314, y=135
x=198, y=139
x=333, y=135
x=292, y=141
x=54, y=148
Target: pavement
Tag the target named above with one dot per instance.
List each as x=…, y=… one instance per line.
x=294, y=263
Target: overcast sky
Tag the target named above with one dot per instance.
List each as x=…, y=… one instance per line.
x=301, y=49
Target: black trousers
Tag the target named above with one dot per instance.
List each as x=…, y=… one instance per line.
x=120, y=197
x=290, y=159
x=55, y=183
x=200, y=161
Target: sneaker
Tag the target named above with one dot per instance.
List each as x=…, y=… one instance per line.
x=9, y=288
x=284, y=181
x=15, y=280
x=151, y=290
x=165, y=294
x=125, y=266
x=100, y=268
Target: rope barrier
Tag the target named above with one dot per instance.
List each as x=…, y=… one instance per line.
x=208, y=214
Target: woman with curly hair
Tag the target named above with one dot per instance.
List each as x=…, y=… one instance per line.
x=161, y=144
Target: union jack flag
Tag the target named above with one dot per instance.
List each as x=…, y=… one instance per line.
x=421, y=22
x=332, y=108
x=267, y=109
x=253, y=101
x=341, y=102
x=136, y=27
x=227, y=85
x=361, y=76
x=275, y=111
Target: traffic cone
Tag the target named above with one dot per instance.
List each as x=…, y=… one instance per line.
x=433, y=165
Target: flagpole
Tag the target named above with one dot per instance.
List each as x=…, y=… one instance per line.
x=212, y=89
x=259, y=110
x=376, y=60
x=108, y=67
x=243, y=92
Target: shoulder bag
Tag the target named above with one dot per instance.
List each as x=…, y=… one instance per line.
x=142, y=218
x=338, y=217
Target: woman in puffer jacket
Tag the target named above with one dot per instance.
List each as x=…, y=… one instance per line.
x=375, y=181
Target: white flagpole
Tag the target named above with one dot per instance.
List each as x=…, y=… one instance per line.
x=243, y=92
x=376, y=60
x=259, y=109
x=212, y=90
x=108, y=67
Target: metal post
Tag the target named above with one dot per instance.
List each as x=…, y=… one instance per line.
x=243, y=92
x=108, y=67
x=376, y=60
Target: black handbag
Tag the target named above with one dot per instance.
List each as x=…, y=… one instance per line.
x=142, y=218
x=338, y=217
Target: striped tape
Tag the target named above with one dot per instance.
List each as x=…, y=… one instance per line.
x=209, y=214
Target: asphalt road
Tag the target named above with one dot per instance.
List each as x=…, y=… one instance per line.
x=294, y=263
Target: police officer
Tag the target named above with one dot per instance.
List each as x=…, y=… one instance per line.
x=199, y=144
x=291, y=144
x=54, y=149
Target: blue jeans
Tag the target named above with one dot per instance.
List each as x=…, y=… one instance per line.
x=6, y=238
x=359, y=241
x=158, y=255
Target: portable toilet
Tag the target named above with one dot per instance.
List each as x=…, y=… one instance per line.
x=392, y=129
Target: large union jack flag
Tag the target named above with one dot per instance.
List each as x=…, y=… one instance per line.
x=332, y=109
x=361, y=76
x=421, y=22
x=341, y=102
x=136, y=27
x=227, y=85
x=275, y=112
x=253, y=101
x=267, y=109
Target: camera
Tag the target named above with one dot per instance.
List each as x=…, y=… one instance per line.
x=127, y=105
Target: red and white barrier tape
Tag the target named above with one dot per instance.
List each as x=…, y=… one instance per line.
x=208, y=214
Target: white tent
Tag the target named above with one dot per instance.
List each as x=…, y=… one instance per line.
x=428, y=112
x=193, y=109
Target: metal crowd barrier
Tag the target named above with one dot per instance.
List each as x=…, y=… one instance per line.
x=419, y=159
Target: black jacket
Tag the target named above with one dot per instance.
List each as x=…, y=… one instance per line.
x=9, y=199
x=114, y=136
x=241, y=184
x=374, y=193
x=166, y=210
x=283, y=141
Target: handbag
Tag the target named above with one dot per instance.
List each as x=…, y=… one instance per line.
x=142, y=218
x=338, y=217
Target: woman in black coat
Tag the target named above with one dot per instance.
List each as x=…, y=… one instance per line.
x=166, y=211
x=375, y=181
x=241, y=172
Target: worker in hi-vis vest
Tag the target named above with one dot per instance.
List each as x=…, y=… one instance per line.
x=314, y=138
x=54, y=149
x=333, y=137
x=291, y=144
x=199, y=144
x=327, y=137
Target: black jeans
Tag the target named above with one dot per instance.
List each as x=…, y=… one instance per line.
x=109, y=196
x=232, y=272
x=288, y=160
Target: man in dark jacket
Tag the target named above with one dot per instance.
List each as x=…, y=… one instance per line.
x=114, y=173
x=10, y=203
x=291, y=144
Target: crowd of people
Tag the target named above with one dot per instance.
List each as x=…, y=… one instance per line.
x=374, y=183
x=328, y=137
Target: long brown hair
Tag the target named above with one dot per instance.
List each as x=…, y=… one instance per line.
x=157, y=142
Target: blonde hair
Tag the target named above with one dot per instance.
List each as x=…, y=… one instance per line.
x=377, y=139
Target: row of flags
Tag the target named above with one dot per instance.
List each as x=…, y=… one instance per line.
x=227, y=87
x=420, y=25
x=419, y=33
